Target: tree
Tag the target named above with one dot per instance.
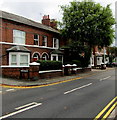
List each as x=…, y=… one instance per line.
x=87, y=22
x=112, y=53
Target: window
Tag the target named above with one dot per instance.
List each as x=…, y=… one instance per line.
x=13, y=60
x=44, y=56
x=36, y=57
x=36, y=39
x=44, y=41
x=55, y=43
x=18, y=37
x=23, y=60
x=56, y=57
x=19, y=59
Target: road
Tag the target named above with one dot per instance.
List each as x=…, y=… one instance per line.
x=82, y=98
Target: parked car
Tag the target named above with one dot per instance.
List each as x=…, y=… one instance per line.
x=114, y=64
x=109, y=64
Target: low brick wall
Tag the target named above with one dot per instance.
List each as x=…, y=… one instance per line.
x=14, y=72
x=84, y=70
x=28, y=73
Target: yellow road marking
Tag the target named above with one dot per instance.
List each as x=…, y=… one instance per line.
x=109, y=111
x=50, y=84
x=15, y=86
x=99, y=115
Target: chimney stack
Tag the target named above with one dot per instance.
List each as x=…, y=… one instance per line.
x=46, y=21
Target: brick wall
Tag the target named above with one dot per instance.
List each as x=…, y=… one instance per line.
x=16, y=73
x=7, y=33
x=12, y=72
x=50, y=74
x=7, y=36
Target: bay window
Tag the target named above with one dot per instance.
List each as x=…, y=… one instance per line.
x=19, y=59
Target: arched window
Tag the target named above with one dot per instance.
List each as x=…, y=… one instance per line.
x=44, y=56
x=36, y=57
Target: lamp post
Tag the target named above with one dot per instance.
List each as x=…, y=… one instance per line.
x=104, y=54
x=104, y=66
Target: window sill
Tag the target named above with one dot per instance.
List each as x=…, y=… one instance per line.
x=37, y=46
x=12, y=66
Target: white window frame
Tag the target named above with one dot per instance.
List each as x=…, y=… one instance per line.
x=57, y=56
x=37, y=57
x=36, y=39
x=57, y=43
x=45, y=58
x=99, y=60
x=45, y=41
x=22, y=62
x=18, y=54
x=62, y=58
x=11, y=59
x=92, y=60
x=22, y=38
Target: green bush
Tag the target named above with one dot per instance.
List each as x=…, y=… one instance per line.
x=49, y=65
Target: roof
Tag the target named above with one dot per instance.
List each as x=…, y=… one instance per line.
x=56, y=52
x=18, y=49
x=20, y=19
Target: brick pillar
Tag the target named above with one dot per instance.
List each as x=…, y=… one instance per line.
x=63, y=70
x=34, y=71
x=67, y=69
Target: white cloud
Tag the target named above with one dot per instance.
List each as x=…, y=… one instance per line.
x=35, y=9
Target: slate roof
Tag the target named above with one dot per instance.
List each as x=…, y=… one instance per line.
x=20, y=19
x=56, y=52
x=18, y=49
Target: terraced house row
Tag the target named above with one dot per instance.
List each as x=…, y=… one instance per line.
x=24, y=41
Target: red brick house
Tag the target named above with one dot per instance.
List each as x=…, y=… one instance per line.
x=24, y=41
x=97, y=57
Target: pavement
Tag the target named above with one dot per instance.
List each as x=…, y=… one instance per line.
x=22, y=82
x=19, y=82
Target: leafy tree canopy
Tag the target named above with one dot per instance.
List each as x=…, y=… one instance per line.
x=112, y=51
x=88, y=22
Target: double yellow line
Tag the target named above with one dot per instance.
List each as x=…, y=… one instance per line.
x=107, y=110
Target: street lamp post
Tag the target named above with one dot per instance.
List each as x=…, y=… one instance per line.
x=104, y=54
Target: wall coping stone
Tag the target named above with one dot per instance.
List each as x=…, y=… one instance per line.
x=48, y=71
x=34, y=63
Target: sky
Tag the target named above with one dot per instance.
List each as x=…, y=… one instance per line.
x=35, y=9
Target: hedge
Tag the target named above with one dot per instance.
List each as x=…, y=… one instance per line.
x=49, y=65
